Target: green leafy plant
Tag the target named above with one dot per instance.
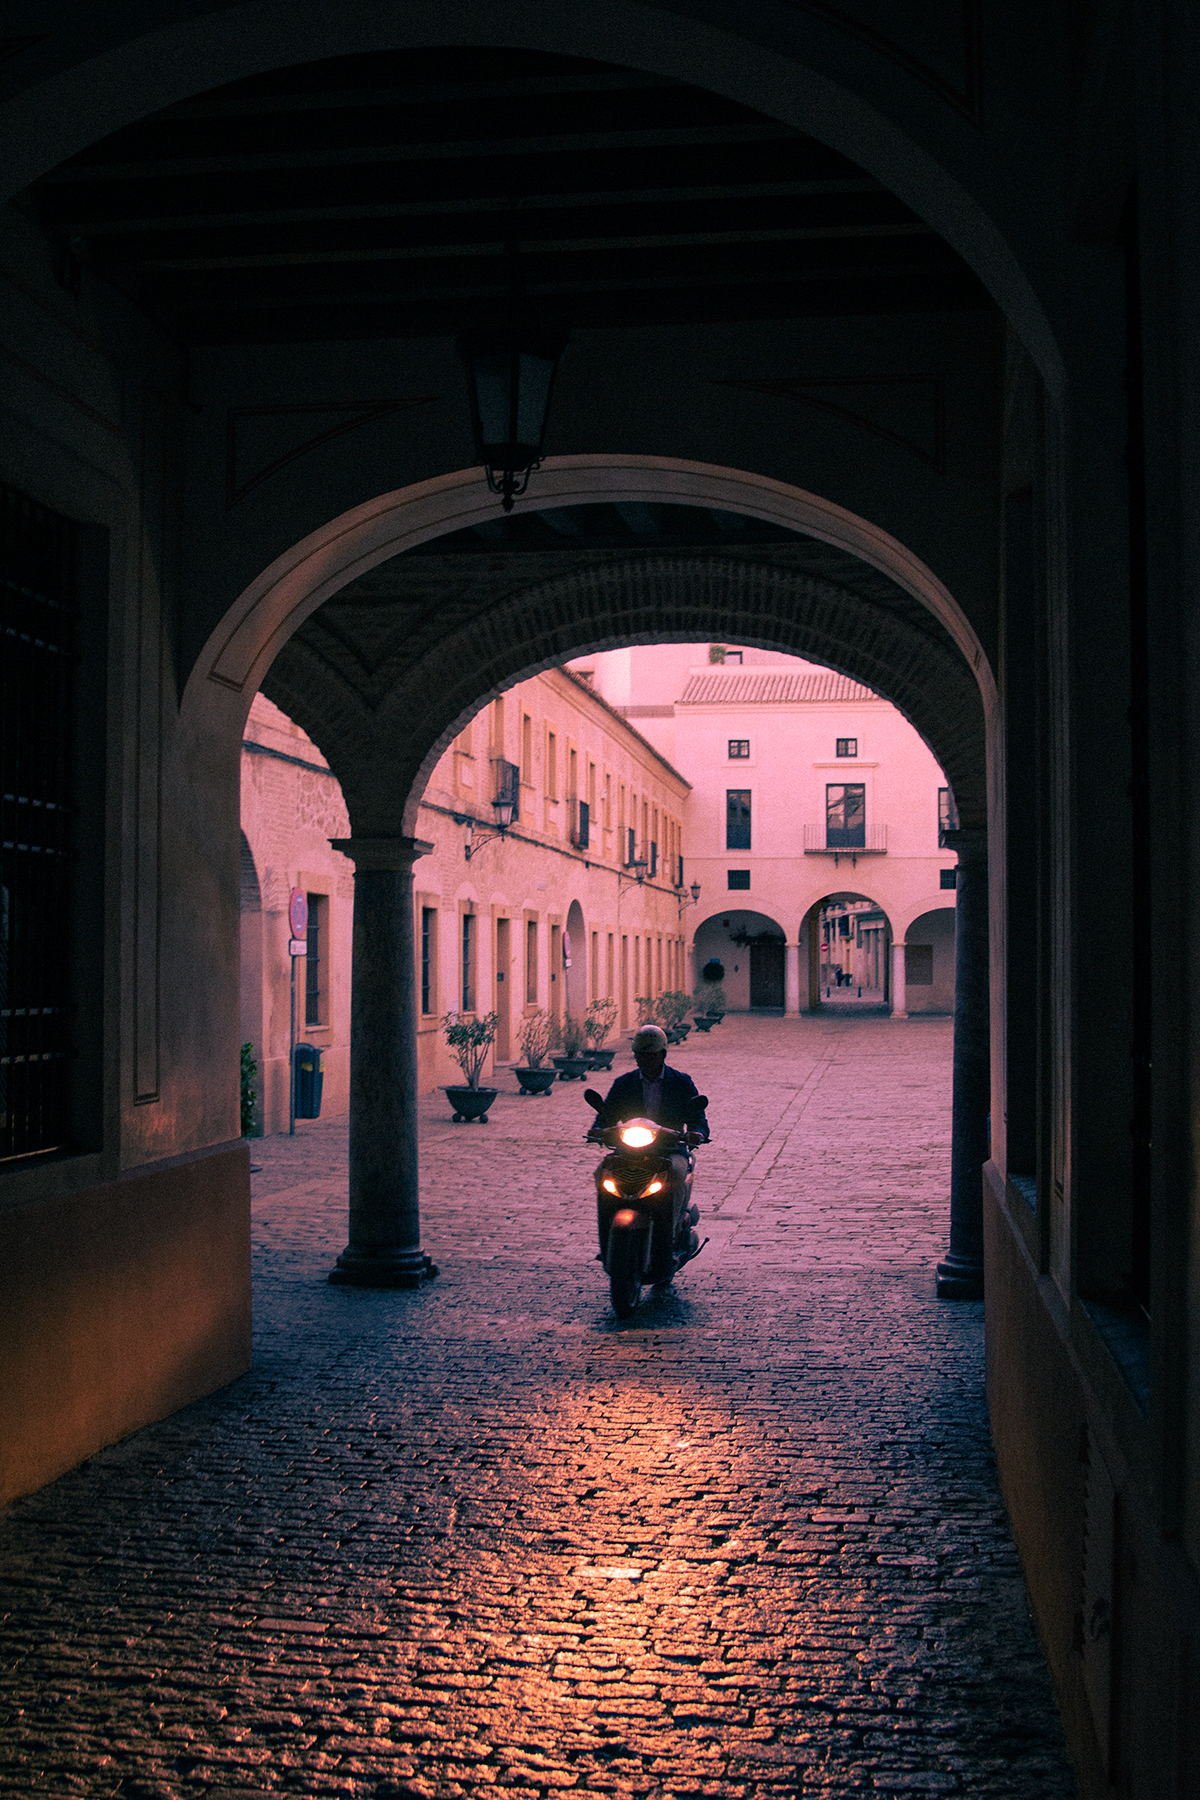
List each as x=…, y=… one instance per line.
x=709, y=998
x=572, y=1035
x=249, y=1092
x=645, y=1009
x=535, y=1037
x=469, y=1041
x=599, y=1020
x=671, y=1008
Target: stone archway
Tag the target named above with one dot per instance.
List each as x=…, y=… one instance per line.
x=383, y=699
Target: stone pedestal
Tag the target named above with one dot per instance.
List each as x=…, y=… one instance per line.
x=960, y=1276
x=791, y=980
x=385, y=1222
x=899, y=992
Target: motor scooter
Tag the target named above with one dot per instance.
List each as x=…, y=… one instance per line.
x=634, y=1204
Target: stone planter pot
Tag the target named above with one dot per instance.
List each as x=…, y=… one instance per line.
x=570, y=1068
x=470, y=1103
x=703, y=1022
x=535, y=1081
x=599, y=1059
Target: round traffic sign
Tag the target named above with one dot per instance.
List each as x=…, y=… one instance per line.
x=298, y=912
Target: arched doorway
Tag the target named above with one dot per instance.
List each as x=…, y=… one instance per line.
x=849, y=956
x=751, y=947
x=575, y=955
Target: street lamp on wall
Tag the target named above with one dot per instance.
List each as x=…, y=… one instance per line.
x=510, y=376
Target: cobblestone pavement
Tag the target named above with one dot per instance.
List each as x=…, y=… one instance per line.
x=482, y=1537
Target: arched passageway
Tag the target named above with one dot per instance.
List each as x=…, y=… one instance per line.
x=386, y=668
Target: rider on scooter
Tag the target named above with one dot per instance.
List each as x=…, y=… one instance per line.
x=667, y=1096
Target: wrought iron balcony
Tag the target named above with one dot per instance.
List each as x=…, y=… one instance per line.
x=866, y=840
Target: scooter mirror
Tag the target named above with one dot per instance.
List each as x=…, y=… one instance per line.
x=594, y=1100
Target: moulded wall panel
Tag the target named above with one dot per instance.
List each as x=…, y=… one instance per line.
x=121, y=1304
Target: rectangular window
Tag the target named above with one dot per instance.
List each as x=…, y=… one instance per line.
x=428, y=958
x=468, y=962
x=608, y=802
x=531, y=962
x=737, y=818
x=738, y=878
x=631, y=856
x=947, y=811
x=738, y=747
x=498, y=726
x=506, y=787
x=733, y=656
x=949, y=878
x=527, y=750
x=845, y=816
x=585, y=825
x=313, y=974
x=551, y=766
x=847, y=746
x=653, y=858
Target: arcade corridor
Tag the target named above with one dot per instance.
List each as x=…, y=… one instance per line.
x=479, y=1536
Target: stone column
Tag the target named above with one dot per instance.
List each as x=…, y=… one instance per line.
x=960, y=1277
x=899, y=996
x=385, y=1222
x=791, y=980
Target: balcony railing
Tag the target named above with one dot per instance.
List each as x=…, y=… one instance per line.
x=823, y=840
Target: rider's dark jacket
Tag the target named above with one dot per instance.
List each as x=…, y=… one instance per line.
x=625, y=1100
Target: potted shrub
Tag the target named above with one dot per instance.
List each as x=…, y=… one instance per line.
x=598, y=1021
x=572, y=1064
x=469, y=1041
x=671, y=1009
x=535, y=1035
x=708, y=1002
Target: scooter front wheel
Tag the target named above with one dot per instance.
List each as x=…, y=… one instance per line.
x=624, y=1275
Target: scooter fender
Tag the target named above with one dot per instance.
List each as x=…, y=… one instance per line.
x=630, y=1223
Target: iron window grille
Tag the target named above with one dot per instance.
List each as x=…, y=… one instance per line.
x=37, y=815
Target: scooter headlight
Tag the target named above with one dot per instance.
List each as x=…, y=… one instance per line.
x=637, y=1137
x=609, y=1185
x=654, y=1188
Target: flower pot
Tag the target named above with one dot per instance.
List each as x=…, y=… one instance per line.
x=470, y=1103
x=681, y=1032
x=570, y=1068
x=535, y=1081
x=703, y=1022
x=599, y=1059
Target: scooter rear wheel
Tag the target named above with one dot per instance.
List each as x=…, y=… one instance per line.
x=623, y=1274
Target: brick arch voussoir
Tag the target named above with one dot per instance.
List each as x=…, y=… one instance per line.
x=672, y=600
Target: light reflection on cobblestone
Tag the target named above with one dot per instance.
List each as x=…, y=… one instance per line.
x=484, y=1537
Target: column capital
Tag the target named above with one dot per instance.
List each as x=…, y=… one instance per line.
x=382, y=852
x=968, y=840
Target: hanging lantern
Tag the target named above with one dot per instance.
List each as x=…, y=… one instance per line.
x=510, y=380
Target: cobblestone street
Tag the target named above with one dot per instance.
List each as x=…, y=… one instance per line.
x=484, y=1536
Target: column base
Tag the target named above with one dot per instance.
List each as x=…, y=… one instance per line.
x=959, y=1278
x=382, y=1269
x=898, y=1015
